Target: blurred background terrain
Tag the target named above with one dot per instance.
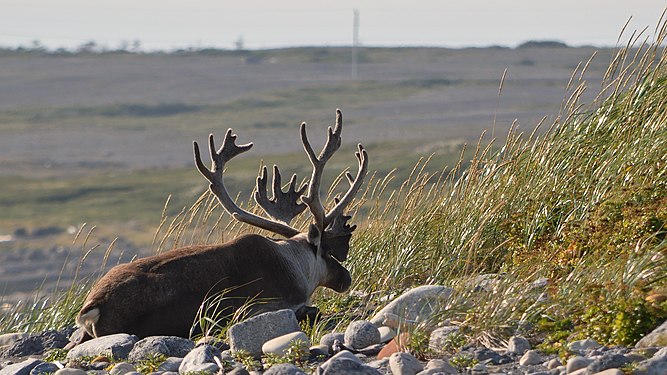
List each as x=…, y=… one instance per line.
x=103, y=139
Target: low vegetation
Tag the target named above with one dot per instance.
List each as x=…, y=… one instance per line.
x=566, y=226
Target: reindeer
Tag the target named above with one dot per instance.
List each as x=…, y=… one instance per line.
x=161, y=294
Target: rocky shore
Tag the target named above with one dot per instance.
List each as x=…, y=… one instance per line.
x=273, y=343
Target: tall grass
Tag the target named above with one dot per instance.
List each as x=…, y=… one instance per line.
x=536, y=215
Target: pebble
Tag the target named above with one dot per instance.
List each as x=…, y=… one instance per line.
x=530, y=358
x=281, y=344
x=518, y=345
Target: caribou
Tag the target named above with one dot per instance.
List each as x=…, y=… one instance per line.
x=162, y=294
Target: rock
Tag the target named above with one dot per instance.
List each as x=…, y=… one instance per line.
x=386, y=334
x=342, y=355
x=479, y=369
x=581, y=346
x=319, y=351
x=251, y=334
x=658, y=337
x=170, y=364
x=70, y=371
x=404, y=364
x=394, y=346
x=116, y=346
x=281, y=344
x=606, y=362
x=417, y=304
x=486, y=355
x=660, y=353
x=44, y=368
x=530, y=358
x=654, y=366
x=518, y=345
x=439, y=366
x=577, y=362
x=440, y=338
x=10, y=338
x=122, y=368
x=236, y=371
x=329, y=339
x=199, y=358
x=345, y=365
x=213, y=341
x=552, y=364
x=284, y=369
x=361, y=333
x=381, y=365
x=611, y=371
x=22, y=368
x=36, y=344
x=169, y=346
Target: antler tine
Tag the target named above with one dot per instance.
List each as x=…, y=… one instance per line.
x=282, y=206
x=227, y=151
x=312, y=199
x=355, y=185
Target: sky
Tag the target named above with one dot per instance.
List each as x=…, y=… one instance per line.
x=171, y=24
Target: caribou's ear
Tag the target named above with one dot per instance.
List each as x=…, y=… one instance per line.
x=314, y=236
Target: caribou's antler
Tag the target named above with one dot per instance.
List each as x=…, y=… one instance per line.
x=229, y=150
x=312, y=199
x=283, y=206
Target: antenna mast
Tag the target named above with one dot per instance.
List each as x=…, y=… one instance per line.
x=355, y=44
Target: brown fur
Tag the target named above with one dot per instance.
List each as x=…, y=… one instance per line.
x=160, y=295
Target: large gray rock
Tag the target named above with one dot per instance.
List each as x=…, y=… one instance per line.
x=416, y=304
x=284, y=369
x=200, y=359
x=116, y=346
x=170, y=346
x=70, y=371
x=404, y=364
x=577, y=362
x=251, y=334
x=653, y=366
x=658, y=337
x=22, y=368
x=361, y=334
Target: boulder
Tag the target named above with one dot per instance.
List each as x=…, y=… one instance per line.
x=658, y=337
x=653, y=366
x=518, y=345
x=201, y=358
x=417, y=304
x=404, y=364
x=169, y=346
x=251, y=334
x=116, y=346
x=361, y=334
x=21, y=368
x=440, y=338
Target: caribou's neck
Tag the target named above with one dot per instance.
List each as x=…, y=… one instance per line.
x=303, y=261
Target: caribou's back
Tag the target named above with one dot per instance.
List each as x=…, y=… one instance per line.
x=160, y=295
